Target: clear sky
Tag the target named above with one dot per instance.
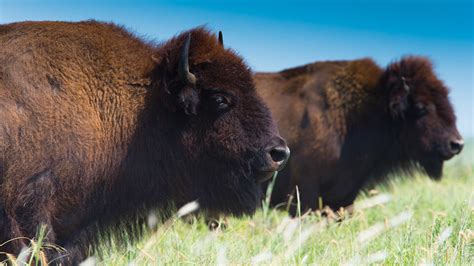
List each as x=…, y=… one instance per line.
x=273, y=35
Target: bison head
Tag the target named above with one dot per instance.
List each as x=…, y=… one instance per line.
x=227, y=133
x=419, y=102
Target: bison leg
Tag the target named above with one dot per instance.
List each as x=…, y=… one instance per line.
x=32, y=208
x=9, y=236
x=31, y=219
x=280, y=191
x=78, y=245
x=308, y=198
x=70, y=252
x=66, y=252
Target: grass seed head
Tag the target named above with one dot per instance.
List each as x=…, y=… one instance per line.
x=188, y=208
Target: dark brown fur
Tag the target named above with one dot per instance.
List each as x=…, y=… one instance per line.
x=350, y=123
x=96, y=128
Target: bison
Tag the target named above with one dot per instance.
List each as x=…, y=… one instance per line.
x=97, y=127
x=350, y=124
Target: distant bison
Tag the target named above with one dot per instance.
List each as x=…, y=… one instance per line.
x=97, y=127
x=350, y=123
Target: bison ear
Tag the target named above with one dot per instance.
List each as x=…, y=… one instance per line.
x=398, y=99
x=185, y=99
x=188, y=100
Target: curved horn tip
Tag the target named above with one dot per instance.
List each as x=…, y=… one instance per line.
x=221, y=39
x=187, y=41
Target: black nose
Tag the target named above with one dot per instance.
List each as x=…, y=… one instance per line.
x=456, y=146
x=280, y=155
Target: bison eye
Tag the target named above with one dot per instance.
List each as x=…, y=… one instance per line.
x=220, y=102
x=420, y=110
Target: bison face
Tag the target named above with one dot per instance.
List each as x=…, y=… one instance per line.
x=419, y=101
x=226, y=131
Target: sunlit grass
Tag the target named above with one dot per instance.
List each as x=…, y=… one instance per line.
x=408, y=221
x=271, y=238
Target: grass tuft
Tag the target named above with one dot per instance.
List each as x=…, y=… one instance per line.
x=414, y=221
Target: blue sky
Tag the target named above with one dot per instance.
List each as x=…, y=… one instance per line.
x=273, y=35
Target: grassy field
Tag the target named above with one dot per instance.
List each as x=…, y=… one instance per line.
x=408, y=221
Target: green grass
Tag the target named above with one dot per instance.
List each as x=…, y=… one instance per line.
x=272, y=238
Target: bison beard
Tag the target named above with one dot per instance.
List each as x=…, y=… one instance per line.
x=433, y=168
x=235, y=188
x=97, y=128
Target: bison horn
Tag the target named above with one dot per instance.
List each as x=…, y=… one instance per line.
x=221, y=39
x=183, y=67
x=405, y=85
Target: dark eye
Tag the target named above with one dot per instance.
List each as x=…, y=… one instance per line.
x=220, y=103
x=420, y=110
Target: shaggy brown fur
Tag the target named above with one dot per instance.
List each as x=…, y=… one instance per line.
x=350, y=122
x=97, y=127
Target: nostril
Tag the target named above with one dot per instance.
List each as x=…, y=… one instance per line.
x=456, y=146
x=280, y=154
